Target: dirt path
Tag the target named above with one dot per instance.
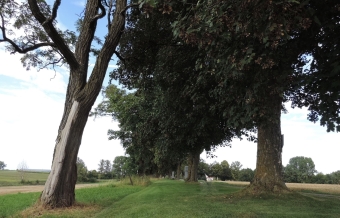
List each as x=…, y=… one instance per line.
x=33, y=188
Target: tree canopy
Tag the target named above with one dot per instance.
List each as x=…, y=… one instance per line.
x=165, y=116
x=299, y=169
x=258, y=52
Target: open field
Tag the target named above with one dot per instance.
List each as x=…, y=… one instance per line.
x=13, y=177
x=300, y=187
x=168, y=198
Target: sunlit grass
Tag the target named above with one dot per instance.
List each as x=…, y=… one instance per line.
x=169, y=198
x=178, y=199
x=12, y=203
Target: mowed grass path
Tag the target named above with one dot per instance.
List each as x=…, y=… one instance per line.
x=177, y=199
x=167, y=198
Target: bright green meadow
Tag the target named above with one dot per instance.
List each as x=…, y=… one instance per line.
x=13, y=177
x=169, y=198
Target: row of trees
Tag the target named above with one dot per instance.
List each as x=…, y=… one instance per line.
x=302, y=170
x=200, y=89
x=224, y=171
x=120, y=167
x=299, y=170
x=204, y=72
x=85, y=175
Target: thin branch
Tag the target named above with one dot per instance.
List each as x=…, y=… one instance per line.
x=54, y=63
x=55, y=73
x=54, y=12
x=2, y=27
x=129, y=6
x=17, y=47
x=31, y=48
x=53, y=34
x=120, y=57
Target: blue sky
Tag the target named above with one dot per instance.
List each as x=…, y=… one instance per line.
x=32, y=106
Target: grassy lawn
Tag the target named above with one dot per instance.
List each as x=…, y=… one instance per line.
x=177, y=199
x=166, y=198
x=13, y=177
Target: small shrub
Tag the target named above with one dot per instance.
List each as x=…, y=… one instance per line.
x=26, y=182
x=137, y=180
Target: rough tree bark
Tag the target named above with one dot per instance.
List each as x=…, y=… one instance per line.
x=268, y=176
x=193, y=160
x=81, y=94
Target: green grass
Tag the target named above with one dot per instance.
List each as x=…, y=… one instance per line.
x=168, y=198
x=176, y=199
x=11, y=204
x=13, y=177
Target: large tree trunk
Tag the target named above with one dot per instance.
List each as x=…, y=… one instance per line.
x=193, y=160
x=268, y=176
x=80, y=97
x=60, y=185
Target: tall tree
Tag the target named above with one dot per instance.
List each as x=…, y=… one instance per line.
x=163, y=71
x=118, y=166
x=235, y=169
x=299, y=169
x=22, y=169
x=256, y=52
x=108, y=169
x=81, y=171
x=43, y=44
x=101, y=166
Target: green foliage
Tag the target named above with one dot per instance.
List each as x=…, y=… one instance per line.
x=220, y=170
x=319, y=81
x=83, y=175
x=246, y=175
x=163, y=121
x=2, y=165
x=118, y=167
x=285, y=50
x=81, y=171
x=336, y=177
x=235, y=169
x=203, y=169
x=124, y=166
x=108, y=169
x=17, y=16
x=105, y=169
x=332, y=178
x=101, y=166
x=299, y=169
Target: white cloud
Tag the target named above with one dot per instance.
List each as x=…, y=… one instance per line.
x=31, y=109
x=47, y=80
